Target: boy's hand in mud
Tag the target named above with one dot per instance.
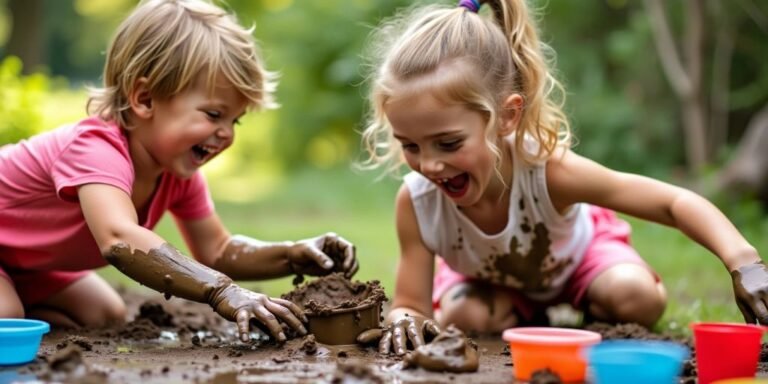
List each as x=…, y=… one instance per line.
x=750, y=285
x=241, y=305
x=397, y=335
x=322, y=255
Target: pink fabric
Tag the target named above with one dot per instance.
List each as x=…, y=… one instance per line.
x=32, y=287
x=41, y=225
x=610, y=246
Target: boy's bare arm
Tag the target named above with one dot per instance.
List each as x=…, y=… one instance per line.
x=244, y=258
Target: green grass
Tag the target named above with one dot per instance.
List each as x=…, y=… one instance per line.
x=361, y=210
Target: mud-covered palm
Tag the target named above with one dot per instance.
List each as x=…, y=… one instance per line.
x=240, y=305
x=396, y=336
x=322, y=255
x=750, y=286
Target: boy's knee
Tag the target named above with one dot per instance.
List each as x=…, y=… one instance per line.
x=9, y=311
x=107, y=314
x=10, y=304
x=114, y=313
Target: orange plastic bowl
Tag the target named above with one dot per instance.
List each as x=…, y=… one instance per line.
x=558, y=349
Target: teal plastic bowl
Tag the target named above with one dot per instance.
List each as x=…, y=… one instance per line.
x=636, y=362
x=20, y=339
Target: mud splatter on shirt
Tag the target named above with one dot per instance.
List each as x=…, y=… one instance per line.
x=537, y=250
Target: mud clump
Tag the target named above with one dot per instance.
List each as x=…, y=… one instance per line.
x=331, y=293
x=545, y=376
x=625, y=331
x=80, y=341
x=450, y=351
x=140, y=329
x=354, y=372
x=155, y=313
x=309, y=345
x=339, y=309
x=67, y=365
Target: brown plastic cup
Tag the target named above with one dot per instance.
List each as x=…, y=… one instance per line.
x=343, y=325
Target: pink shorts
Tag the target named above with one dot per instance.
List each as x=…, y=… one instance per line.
x=36, y=286
x=609, y=247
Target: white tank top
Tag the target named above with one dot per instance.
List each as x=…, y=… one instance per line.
x=536, y=252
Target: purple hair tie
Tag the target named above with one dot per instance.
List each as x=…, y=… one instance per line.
x=472, y=5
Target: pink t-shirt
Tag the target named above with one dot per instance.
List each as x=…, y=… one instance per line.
x=41, y=223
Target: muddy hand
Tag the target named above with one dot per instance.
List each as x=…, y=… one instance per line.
x=322, y=255
x=750, y=285
x=396, y=336
x=241, y=305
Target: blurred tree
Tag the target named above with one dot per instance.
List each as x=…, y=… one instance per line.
x=701, y=56
x=747, y=172
x=26, y=37
x=316, y=45
x=21, y=99
x=684, y=72
x=620, y=108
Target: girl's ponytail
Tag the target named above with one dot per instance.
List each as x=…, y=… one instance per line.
x=543, y=118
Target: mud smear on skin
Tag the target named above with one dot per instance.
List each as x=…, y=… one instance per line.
x=199, y=346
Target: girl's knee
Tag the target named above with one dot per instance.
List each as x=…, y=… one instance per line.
x=468, y=314
x=637, y=304
x=628, y=295
x=476, y=308
x=466, y=306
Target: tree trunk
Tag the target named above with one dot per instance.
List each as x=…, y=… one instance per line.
x=747, y=172
x=685, y=74
x=26, y=39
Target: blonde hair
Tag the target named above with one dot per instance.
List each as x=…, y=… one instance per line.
x=485, y=59
x=172, y=42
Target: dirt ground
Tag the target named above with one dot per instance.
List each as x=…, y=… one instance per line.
x=180, y=341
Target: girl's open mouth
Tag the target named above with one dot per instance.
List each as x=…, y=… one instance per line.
x=455, y=187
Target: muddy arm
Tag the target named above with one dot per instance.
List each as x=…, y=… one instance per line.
x=166, y=270
x=247, y=258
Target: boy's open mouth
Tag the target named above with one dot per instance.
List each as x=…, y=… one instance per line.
x=456, y=186
x=203, y=153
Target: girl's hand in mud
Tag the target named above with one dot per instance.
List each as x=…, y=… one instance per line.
x=397, y=335
x=241, y=305
x=750, y=285
x=322, y=255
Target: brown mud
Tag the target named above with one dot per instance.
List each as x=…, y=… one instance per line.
x=181, y=341
x=339, y=309
x=450, y=351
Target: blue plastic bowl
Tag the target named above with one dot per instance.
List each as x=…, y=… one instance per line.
x=20, y=339
x=636, y=362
